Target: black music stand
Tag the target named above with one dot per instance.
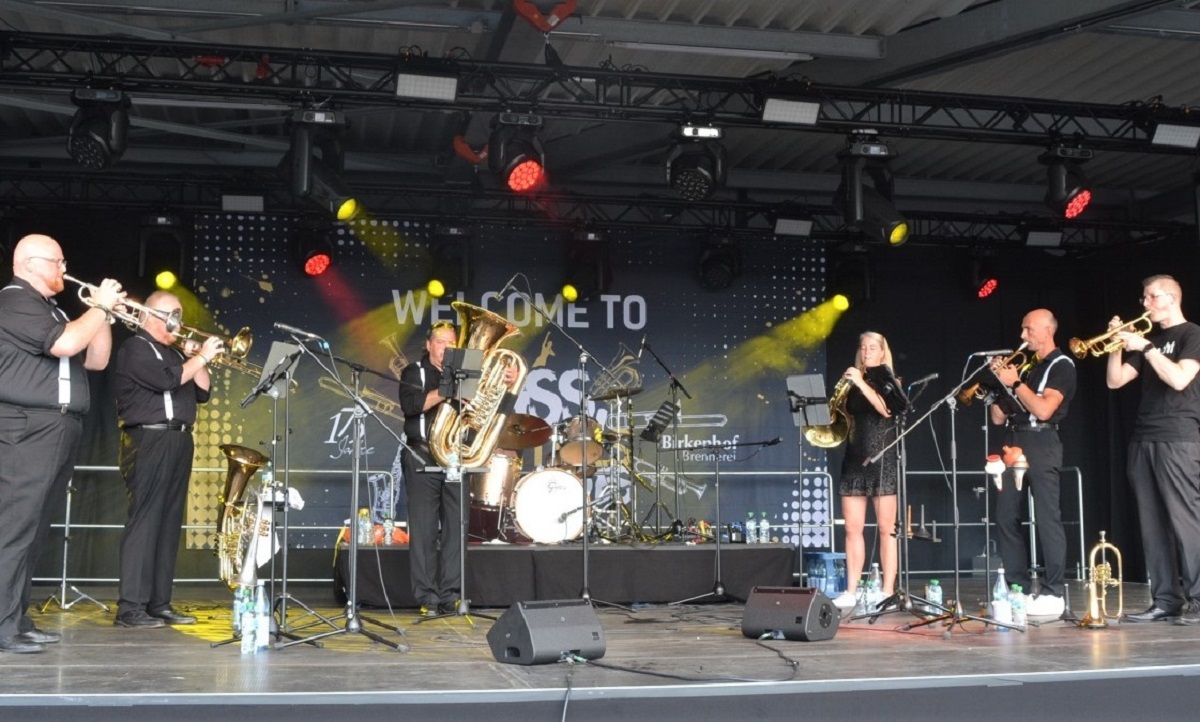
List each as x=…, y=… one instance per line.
x=653, y=432
x=461, y=371
x=807, y=400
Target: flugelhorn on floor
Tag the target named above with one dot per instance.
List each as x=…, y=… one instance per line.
x=130, y=313
x=1100, y=577
x=1108, y=342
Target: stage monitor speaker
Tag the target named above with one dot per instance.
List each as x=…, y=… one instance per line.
x=796, y=613
x=543, y=632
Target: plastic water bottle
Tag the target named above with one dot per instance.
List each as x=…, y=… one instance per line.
x=364, y=529
x=860, y=597
x=1001, y=606
x=237, y=610
x=934, y=596
x=262, y=618
x=453, y=469
x=874, y=587
x=764, y=529
x=1017, y=600
x=246, y=614
x=751, y=528
x=389, y=527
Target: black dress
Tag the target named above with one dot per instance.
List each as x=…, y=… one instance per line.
x=870, y=432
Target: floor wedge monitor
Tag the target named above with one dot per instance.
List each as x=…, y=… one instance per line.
x=545, y=632
x=796, y=613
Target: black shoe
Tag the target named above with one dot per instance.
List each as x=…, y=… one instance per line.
x=40, y=636
x=1190, y=614
x=1153, y=614
x=17, y=645
x=170, y=616
x=447, y=607
x=137, y=618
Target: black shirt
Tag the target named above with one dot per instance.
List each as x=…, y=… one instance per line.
x=147, y=373
x=1165, y=414
x=1056, y=371
x=416, y=381
x=30, y=325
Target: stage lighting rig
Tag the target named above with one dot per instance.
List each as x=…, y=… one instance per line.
x=720, y=265
x=1067, y=191
x=696, y=162
x=315, y=162
x=100, y=129
x=515, y=153
x=314, y=249
x=865, y=195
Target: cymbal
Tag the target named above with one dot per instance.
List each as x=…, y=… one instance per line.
x=619, y=391
x=522, y=431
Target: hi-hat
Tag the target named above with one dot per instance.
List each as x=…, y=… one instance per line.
x=622, y=391
x=522, y=431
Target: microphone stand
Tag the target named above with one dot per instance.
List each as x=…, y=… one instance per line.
x=718, y=589
x=955, y=615
x=585, y=592
x=361, y=409
x=675, y=388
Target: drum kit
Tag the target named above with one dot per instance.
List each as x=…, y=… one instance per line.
x=545, y=506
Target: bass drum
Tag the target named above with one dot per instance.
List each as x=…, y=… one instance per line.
x=548, y=506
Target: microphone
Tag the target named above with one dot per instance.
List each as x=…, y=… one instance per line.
x=772, y=442
x=642, y=348
x=994, y=352
x=508, y=285
x=924, y=379
x=298, y=332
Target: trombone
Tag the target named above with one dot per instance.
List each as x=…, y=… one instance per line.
x=131, y=313
x=236, y=348
x=1108, y=342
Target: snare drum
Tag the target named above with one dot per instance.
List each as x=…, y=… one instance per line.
x=574, y=431
x=548, y=506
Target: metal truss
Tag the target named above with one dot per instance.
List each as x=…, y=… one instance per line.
x=347, y=80
x=499, y=209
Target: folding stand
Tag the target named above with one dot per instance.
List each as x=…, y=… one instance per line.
x=353, y=621
x=460, y=380
x=60, y=597
x=653, y=433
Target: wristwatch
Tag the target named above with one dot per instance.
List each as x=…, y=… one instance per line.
x=1016, y=385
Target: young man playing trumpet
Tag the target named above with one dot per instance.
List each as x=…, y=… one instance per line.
x=1045, y=389
x=1163, y=463
x=158, y=388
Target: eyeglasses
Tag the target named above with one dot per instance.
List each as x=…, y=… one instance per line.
x=60, y=262
x=1153, y=296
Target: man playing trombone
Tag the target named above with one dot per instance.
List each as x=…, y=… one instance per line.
x=43, y=397
x=1163, y=462
x=1045, y=388
x=158, y=388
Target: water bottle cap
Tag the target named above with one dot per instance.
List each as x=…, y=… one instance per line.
x=934, y=581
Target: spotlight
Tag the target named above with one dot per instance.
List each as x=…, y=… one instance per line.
x=314, y=249
x=984, y=281
x=696, y=163
x=450, y=261
x=314, y=163
x=1067, y=191
x=720, y=265
x=864, y=198
x=162, y=251
x=515, y=154
x=588, y=268
x=100, y=129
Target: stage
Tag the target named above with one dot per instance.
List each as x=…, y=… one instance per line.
x=660, y=661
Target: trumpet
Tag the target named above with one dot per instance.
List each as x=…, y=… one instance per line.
x=131, y=313
x=1108, y=342
x=976, y=390
x=236, y=348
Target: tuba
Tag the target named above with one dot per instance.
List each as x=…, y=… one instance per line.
x=238, y=526
x=473, y=430
x=1100, y=576
x=828, y=436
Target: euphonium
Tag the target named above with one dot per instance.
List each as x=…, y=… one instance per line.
x=827, y=436
x=237, y=526
x=976, y=390
x=473, y=431
x=1100, y=576
x=1108, y=342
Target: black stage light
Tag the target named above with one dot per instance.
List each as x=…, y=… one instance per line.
x=315, y=161
x=696, y=167
x=588, y=270
x=515, y=154
x=1067, y=190
x=865, y=197
x=720, y=265
x=100, y=129
x=983, y=281
x=450, y=261
x=314, y=249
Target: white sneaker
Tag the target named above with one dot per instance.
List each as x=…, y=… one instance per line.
x=1044, y=605
x=845, y=600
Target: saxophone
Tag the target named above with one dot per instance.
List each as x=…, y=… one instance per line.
x=474, y=430
x=238, y=527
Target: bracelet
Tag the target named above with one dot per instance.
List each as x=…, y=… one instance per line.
x=203, y=358
x=1149, y=347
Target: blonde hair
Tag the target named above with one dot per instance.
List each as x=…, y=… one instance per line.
x=883, y=344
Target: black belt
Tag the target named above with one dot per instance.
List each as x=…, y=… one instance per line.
x=1039, y=427
x=169, y=426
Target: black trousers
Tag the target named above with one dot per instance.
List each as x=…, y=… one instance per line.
x=1043, y=450
x=156, y=466
x=1165, y=477
x=434, y=527
x=37, y=458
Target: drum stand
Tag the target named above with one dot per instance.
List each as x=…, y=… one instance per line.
x=60, y=597
x=353, y=621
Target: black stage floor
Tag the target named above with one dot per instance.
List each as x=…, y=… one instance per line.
x=689, y=662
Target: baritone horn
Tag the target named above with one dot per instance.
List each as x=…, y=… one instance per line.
x=1108, y=342
x=130, y=313
x=1100, y=578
